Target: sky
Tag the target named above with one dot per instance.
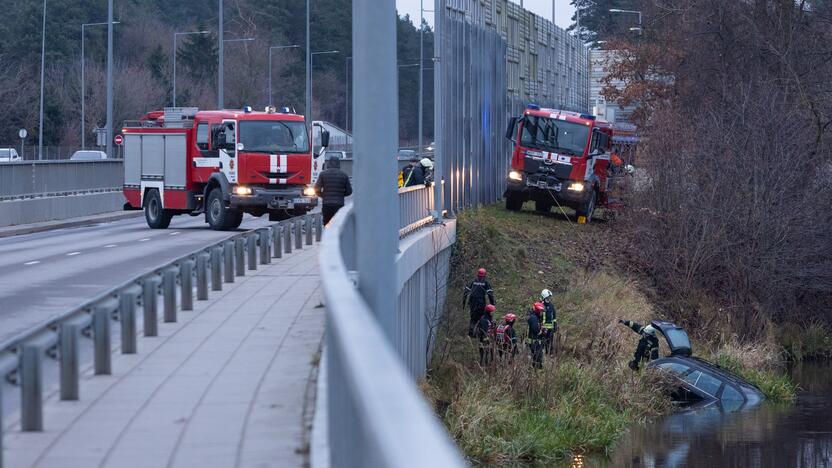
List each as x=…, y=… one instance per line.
x=540, y=7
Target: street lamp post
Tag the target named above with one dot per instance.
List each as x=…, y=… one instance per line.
x=83, y=83
x=293, y=46
x=42, y=74
x=309, y=93
x=175, y=36
x=109, y=133
x=631, y=12
x=347, y=94
x=220, y=80
x=308, y=53
x=421, y=69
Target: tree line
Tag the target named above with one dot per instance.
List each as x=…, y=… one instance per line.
x=143, y=69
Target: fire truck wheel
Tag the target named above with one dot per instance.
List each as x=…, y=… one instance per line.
x=542, y=207
x=156, y=216
x=588, y=208
x=218, y=216
x=514, y=202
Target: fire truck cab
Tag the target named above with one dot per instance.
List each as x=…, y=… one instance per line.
x=560, y=158
x=219, y=163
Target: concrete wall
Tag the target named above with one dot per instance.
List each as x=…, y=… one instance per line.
x=35, y=210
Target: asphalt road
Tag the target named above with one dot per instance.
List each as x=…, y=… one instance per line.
x=42, y=275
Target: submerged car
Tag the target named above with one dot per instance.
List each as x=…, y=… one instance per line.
x=701, y=382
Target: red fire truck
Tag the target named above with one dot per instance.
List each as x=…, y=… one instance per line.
x=220, y=163
x=560, y=158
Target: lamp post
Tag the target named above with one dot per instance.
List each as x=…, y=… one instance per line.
x=109, y=130
x=83, y=84
x=309, y=94
x=42, y=74
x=308, y=53
x=222, y=71
x=631, y=12
x=293, y=46
x=175, y=36
x=221, y=52
x=347, y=95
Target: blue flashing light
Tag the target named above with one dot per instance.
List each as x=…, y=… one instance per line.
x=533, y=107
x=285, y=110
x=247, y=109
x=588, y=116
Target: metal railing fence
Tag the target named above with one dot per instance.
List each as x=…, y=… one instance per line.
x=31, y=179
x=377, y=417
x=415, y=206
x=177, y=283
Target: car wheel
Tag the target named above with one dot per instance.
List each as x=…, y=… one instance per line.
x=157, y=217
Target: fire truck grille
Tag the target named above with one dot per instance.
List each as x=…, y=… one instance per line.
x=278, y=175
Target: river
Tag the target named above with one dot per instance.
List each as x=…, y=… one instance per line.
x=770, y=435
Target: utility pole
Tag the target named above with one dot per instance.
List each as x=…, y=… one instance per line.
x=308, y=110
x=421, y=71
x=109, y=130
x=220, y=81
x=42, y=74
x=83, y=82
x=439, y=147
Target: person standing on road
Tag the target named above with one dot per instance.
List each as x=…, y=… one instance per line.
x=333, y=186
x=474, y=295
x=550, y=320
x=536, y=336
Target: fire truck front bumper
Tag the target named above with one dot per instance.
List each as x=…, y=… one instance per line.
x=274, y=199
x=548, y=189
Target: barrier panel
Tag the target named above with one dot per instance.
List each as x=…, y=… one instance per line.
x=32, y=179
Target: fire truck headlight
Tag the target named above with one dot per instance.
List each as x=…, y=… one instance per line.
x=576, y=186
x=514, y=175
x=242, y=190
x=309, y=192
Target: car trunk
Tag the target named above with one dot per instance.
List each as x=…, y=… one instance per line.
x=676, y=337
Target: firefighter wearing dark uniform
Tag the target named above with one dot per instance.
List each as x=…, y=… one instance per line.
x=648, y=345
x=474, y=295
x=485, y=332
x=505, y=337
x=550, y=320
x=536, y=334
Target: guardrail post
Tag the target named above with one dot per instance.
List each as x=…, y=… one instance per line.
x=319, y=227
x=149, y=306
x=169, y=293
x=201, y=277
x=287, y=236
x=102, y=313
x=70, y=334
x=265, y=246
x=127, y=315
x=297, y=225
x=308, y=229
x=228, y=258
x=216, y=268
x=251, y=249
x=239, y=256
x=186, y=280
x=277, y=236
x=31, y=387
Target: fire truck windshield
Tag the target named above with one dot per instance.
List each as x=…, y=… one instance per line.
x=273, y=136
x=554, y=135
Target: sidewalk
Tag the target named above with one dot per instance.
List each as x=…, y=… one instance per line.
x=226, y=386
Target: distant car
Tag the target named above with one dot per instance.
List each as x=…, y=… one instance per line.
x=335, y=154
x=9, y=155
x=88, y=155
x=701, y=381
x=431, y=147
x=407, y=155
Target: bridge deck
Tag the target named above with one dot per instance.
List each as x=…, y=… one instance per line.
x=224, y=387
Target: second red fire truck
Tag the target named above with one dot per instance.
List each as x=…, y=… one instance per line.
x=221, y=164
x=560, y=158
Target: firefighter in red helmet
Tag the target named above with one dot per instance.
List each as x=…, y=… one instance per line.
x=536, y=334
x=485, y=334
x=505, y=337
x=475, y=297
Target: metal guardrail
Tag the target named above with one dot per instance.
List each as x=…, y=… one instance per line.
x=415, y=206
x=377, y=417
x=30, y=179
x=61, y=338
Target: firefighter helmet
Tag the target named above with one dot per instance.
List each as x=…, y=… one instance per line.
x=545, y=294
x=538, y=308
x=481, y=273
x=490, y=308
x=510, y=318
x=649, y=330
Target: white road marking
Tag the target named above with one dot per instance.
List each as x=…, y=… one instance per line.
x=174, y=233
x=33, y=262
x=72, y=254
x=110, y=246
x=144, y=240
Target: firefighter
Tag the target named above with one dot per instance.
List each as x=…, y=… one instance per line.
x=332, y=186
x=535, y=337
x=427, y=168
x=550, y=320
x=474, y=295
x=648, y=345
x=413, y=173
x=505, y=338
x=485, y=334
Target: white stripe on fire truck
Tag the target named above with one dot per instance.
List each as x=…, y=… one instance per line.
x=272, y=181
x=281, y=181
x=282, y=168
x=272, y=163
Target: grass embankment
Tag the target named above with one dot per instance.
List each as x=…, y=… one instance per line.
x=584, y=398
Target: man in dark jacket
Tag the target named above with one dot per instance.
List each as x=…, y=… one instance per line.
x=648, y=345
x=414, y=173
x=536, y=335
x=475, y=294
x=485, y=332
x=332, y=186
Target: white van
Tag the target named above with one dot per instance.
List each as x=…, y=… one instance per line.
x=9, y=155
x=88, y=155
